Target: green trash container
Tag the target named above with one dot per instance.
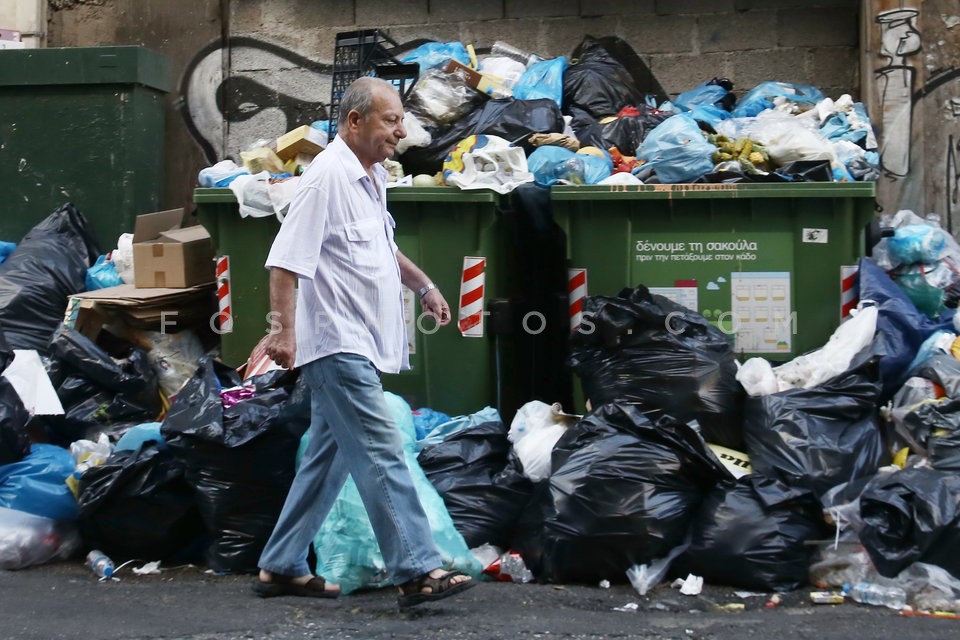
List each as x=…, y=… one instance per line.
x=437, y=227
x=246, y=243
x=81, y=125
x=763, y=262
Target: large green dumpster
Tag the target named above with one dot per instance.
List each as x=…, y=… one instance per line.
x=764, y=262
x=81, y=125
x=436, y=228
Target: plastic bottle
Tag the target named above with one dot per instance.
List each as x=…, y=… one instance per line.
x=100, y=563
x=501, y=48
x=878, y=594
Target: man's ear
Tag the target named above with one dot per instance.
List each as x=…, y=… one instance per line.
x=353, y=118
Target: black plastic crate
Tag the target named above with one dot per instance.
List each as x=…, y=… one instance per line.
x=365, y=53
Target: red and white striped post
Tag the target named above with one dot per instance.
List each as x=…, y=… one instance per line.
x=576, y=292
x=472, y=281
x=225, y=315
x=848, y=292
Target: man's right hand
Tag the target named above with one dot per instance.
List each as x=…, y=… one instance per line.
x=282, y=348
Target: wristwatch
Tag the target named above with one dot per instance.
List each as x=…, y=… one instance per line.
x=426, y=288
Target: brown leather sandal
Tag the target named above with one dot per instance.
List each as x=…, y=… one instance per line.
x=412, y=592
x=280, y=585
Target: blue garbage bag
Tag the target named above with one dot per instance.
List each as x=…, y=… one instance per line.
x=6, y=248
x=426, y=419
x=549, y=165
x=710, y=114
x=542, y=80
x=444, y=430
x=761, y=97
x=901, y=327
x=102, y=274
x=346, y=547
x=435, y=54
x=38, y=483
x=677, y=150
x=705, y=94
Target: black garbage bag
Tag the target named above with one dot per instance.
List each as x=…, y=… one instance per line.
x=911, y=516
x=752, y=534
x=484, y=490
x=587, y=128
x=138, y=504
x=627, y=131
x=901, y=327
x=99, y=393
x=807, y=171
x=14, y=441
x=240, y=459
x=943, y=369
x=598, y=83
x=646, y=349
x=512, y=120
x=49, y=265
x=623, y=491
x=821, y=437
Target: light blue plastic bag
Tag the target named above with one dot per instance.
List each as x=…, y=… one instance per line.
x=346, y=548
x=542, y=80
x=677, y=150
x=38, y=483
x=705, y=94
x=102, y=274
x=450, y=426
x=550, y=165
x=761, y=97
x=6, y=248
x=435, y=54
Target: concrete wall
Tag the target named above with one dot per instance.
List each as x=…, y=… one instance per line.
x=250, y=69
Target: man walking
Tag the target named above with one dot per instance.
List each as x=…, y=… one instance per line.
x=335, y=290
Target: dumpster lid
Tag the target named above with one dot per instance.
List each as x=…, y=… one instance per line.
x=85, y=65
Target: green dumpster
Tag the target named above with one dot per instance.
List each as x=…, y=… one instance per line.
x=437, y=228
x=81, y=125
x=763, y=262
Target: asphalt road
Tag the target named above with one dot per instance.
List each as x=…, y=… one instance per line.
x=65, y=600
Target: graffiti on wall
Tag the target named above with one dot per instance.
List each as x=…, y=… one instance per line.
x=900, y=99
x=245, y=90
x=233, y=94
x=899, y=39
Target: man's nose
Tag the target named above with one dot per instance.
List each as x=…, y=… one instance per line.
x=401, y=131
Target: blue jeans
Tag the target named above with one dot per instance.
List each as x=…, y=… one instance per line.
x=352, y=431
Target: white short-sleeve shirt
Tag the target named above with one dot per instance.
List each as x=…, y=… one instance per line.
x=338, y=239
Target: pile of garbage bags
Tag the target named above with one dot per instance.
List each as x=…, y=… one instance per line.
x=687, y=461
x=591, y=122
x=510, y=117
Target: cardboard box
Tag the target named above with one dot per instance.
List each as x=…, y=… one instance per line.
x=482, y=82
x=167, y=255
x=303, y=139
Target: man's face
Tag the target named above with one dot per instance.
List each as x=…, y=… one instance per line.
x=377, y=135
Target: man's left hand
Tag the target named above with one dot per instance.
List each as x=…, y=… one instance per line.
x=434, y=304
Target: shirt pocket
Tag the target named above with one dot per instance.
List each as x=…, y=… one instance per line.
x=366, y=245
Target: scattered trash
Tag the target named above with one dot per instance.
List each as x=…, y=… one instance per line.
x=690, y=586
x=826, y=597
x=150, y=568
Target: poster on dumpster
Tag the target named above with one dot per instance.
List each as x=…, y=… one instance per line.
x=410, y=319
x=739, y=281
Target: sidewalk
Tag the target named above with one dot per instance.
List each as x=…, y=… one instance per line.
x=65, y=601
